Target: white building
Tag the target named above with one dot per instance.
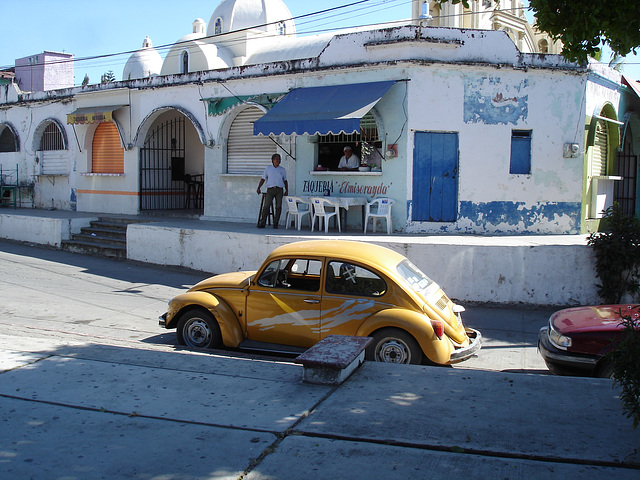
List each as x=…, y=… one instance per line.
x=470, y=130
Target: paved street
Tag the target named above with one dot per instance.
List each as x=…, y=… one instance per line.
x=77, y=298
x=91, y=387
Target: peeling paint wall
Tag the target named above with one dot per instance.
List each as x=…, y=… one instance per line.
x=507, y=217
x=489, y=101
x=492, y=103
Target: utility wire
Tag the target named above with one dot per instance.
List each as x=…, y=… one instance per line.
x=325, y=16
x=170, y=45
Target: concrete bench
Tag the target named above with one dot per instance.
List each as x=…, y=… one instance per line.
x=333, y=359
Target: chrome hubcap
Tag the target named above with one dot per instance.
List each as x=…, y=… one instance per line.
x=393, y=351
x=197, y=333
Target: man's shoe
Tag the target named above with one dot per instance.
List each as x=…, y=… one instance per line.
x=275, y=226
x=260, y=226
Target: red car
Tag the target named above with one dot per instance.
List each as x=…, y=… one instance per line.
x=576, y=339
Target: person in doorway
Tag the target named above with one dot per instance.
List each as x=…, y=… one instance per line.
x=275, y=178
x=348, y=161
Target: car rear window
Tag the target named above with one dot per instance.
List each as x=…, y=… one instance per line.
x=414, y=277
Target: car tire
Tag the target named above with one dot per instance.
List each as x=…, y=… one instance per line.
x=604, y=369
x=197, y=328
x=392, y=345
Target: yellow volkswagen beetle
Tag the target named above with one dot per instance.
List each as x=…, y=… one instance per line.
x=305, y=291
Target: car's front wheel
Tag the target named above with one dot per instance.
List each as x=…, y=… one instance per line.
x=604, y=369
x=391, y=345
x=199, y=329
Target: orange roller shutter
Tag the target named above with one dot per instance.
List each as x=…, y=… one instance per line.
x=108, y=154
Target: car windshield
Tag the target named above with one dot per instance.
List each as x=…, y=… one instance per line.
x=416, y=279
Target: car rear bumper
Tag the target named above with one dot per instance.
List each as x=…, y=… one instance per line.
x=461, y=354
x=562, y=362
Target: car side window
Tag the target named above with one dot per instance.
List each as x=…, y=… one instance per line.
x=348, y=279
x=269, y=275
x=305, y=274
x=293, y=274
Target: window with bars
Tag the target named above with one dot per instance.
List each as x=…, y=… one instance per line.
x=52, y=147
x=51, y=138
x=330, y=147
x=627, y=168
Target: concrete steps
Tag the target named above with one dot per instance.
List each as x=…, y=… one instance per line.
x=106, y=237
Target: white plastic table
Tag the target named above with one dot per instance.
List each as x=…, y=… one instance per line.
x=343, y=203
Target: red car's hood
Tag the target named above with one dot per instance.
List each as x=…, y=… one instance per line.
x=588, y=319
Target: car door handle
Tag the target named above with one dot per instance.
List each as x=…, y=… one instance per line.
x=311, y=300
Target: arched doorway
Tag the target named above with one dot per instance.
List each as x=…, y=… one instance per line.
x=172, y=165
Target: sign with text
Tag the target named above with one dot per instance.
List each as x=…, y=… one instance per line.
x=343, y=187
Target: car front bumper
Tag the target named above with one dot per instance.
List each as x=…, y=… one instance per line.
x=562, y=362
x=162, y=320
x=463, y=353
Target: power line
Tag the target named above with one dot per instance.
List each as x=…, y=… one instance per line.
x=326, y=15
x=171, y=45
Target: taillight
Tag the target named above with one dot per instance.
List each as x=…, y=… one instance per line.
x=438, y=328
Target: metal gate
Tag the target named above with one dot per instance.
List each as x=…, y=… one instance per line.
x=625, y=189
x=162, y=160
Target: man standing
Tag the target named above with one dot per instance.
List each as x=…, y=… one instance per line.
x=275, y=177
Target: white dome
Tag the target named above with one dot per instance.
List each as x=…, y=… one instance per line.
x=200, y=56
x=262, y=15
x=143, y=63
x=199, y=26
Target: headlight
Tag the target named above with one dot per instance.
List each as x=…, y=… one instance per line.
x=561, y=341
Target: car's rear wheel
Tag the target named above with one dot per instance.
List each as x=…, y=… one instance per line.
x=391, y=345
x=199, y=329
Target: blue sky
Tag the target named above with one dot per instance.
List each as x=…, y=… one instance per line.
x=85, y=29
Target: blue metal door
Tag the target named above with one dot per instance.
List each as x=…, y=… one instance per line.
x=435, y=177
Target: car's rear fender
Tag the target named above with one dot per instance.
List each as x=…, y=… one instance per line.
x=419, y=326
x=227, y=321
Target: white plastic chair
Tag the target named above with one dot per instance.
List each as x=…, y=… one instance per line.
x=296, y=213
x=320, y=212
x=377, y=209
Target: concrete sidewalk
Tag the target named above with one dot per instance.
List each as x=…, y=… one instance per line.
x=95, y=411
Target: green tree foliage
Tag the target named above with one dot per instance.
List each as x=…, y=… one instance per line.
x=108, y=77
x=617, y=252
x=85, y=80
x=583, y=26
x=625, y=361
